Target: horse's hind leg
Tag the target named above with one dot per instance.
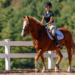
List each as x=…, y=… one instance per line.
x=44, y=66
x=70, y=59
x=68, y=46
x=60, y=56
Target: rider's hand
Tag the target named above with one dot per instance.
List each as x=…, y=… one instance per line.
x=41, y=23
x=47, y=24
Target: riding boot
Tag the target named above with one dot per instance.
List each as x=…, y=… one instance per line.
x=57, y=44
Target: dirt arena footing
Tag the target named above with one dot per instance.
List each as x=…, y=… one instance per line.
x=32, y=72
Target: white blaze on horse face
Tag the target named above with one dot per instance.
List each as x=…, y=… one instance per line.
x=23, y=28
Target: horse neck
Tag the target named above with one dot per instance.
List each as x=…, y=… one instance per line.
x=35, y=26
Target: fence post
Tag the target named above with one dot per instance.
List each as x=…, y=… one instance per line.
x=7, y=52
x=50, y=60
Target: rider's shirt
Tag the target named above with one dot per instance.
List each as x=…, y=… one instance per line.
x=47, y=16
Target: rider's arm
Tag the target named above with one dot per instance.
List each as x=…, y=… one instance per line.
x=42, y=20
x=51, y=20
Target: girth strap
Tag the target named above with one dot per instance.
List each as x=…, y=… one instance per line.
x=50, y=44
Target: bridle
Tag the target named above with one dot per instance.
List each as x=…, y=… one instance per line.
x=37, y=29
x=27, y=25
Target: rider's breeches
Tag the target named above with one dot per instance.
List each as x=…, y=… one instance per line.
x=52, y=28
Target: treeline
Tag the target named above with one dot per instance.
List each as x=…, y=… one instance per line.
x=11, y=12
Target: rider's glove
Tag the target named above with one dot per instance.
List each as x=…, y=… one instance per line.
x=41, y=23
x=47, y=24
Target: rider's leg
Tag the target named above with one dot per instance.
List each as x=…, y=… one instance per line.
x=56, y=40
x=53, y=29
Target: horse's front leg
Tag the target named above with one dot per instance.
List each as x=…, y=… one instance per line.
x=44, y=66
x=40, y=52
x=59, y=59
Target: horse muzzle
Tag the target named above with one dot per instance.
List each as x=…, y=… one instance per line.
x=23, y=35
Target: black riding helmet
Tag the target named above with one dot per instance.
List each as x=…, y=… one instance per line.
x=48, y=4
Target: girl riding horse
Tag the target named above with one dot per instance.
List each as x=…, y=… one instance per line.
x=42, y=42
x=49, y=17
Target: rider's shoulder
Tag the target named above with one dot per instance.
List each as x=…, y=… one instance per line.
x=50, y=11
x=44, y=12
x=52, y=14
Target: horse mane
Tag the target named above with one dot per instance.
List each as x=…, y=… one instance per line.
x=37, y=21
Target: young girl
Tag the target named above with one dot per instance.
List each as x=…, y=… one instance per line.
x=48, y=16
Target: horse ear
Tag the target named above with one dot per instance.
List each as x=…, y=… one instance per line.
x=23, y=17
x=28, y=17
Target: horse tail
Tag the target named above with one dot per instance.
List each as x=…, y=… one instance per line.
x=73, y=48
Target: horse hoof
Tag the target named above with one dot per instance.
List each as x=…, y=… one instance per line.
x=43, y=71
x=37, y=70
x=56, y=69
x=69, y=71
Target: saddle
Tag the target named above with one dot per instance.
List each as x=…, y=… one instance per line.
x=59, y=34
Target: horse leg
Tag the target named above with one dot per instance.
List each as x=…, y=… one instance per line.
x=60, y=56
x=44, y=66
x=69, y=55
x=40, y=52
x=70, y=59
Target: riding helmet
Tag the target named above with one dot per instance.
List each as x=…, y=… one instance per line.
x=48, y=4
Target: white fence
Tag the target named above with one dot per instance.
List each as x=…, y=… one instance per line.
x=7, y=55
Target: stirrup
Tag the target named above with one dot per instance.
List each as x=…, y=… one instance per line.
x=57, y=44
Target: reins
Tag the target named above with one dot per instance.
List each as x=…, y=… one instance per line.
x=40, y=34
x=37, y=30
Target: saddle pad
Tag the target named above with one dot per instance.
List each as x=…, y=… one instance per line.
x=60, y=35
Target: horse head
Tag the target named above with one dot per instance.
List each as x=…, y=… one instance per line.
x=26, y=26
x=30, y=24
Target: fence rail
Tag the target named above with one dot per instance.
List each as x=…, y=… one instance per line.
x=7, y=55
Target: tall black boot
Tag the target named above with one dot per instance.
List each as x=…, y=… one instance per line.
x=57, y=44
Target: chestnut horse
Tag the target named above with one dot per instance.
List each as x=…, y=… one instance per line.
x=42, y=42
